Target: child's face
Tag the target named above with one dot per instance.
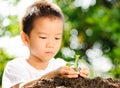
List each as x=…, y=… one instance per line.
x=45, y=38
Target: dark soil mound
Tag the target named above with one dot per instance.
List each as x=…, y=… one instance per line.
x=79, y=82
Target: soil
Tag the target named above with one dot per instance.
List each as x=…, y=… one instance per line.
x=79, y=82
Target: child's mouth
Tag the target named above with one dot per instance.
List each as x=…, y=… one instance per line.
x=49, y=52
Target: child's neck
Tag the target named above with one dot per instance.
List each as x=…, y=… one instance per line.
x=37, y=63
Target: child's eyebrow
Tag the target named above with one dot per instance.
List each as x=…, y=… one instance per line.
x=41, y=33
x=59, y=34
x=47, y=33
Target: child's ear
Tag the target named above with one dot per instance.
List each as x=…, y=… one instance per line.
x=24, y=38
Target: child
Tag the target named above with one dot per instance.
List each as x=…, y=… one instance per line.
x=42, y=29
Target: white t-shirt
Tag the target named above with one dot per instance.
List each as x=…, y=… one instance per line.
x=18, y=70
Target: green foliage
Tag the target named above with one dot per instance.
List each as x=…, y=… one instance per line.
x=4, y=58
x=75, y=64
x=11, y=27
x=98, y=23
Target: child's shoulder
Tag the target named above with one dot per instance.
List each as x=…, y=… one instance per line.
x=16, y=61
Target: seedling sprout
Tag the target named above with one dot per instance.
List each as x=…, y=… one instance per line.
x=75, y=64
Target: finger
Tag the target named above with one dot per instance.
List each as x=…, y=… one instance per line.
x=84, y=75
x=70, y=76
x=69, y=68
x=84, y=72
x=70, y=72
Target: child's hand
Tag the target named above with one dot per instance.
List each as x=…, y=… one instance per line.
x=67, y=72
x=71, y=73
x=63, y=72
x=84, y=72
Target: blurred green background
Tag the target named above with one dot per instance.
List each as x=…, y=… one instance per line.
x=92, y=30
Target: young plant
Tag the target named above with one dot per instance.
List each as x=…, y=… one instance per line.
x=75, y=64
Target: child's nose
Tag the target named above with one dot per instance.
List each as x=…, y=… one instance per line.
x=50, y=44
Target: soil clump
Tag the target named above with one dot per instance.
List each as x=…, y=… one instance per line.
x=79, y=82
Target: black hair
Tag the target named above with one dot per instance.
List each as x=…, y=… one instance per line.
x=39, y=9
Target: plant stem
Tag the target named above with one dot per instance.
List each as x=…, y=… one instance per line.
x=77, y=62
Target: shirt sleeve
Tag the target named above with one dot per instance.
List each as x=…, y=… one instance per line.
x=12, y=75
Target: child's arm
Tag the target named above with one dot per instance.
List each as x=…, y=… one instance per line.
x=62, y=71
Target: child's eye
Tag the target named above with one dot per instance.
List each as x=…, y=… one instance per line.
x=57, y=38
x=43, y=37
